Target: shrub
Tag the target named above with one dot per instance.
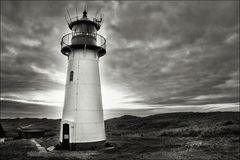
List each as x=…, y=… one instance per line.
x=228, y=123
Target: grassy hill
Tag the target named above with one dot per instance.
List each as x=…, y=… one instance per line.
x=178, y=124
x=189, y=135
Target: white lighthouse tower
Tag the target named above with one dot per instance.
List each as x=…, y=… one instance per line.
x=82, y=125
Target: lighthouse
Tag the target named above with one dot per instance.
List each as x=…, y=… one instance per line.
x=82, y=124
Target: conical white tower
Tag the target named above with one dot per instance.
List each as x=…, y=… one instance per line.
x=82, y=125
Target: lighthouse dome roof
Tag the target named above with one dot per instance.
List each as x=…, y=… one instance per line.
x=85, y=19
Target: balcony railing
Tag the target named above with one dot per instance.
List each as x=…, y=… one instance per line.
x=66, y=41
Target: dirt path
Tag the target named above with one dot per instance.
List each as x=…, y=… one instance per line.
x=39, y=147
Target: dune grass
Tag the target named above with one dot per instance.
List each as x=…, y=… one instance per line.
x=175, y=136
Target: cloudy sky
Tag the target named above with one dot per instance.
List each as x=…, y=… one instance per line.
x=161, y=56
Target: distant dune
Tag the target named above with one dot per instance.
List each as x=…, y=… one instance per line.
x=173, y=123
x=178, y=124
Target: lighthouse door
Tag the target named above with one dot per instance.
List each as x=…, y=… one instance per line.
x=65, y=136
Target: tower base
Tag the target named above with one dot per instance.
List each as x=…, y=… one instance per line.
x=85, y=146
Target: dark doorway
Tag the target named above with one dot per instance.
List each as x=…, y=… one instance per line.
x=65, y=142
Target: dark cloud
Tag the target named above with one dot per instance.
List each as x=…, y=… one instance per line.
x=13, y=109
x=175, y=49
x=28, y=40
x=161, y=52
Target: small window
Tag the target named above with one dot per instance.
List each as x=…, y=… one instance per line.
x=71, y=76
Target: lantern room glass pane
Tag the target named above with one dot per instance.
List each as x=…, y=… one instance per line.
x=85, y=28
